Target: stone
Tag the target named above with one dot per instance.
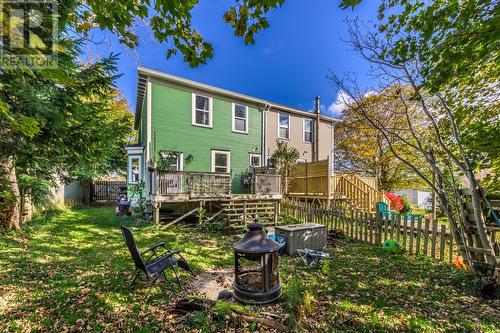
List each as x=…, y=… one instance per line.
x=225, y=294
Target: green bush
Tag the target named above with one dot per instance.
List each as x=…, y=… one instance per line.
x=406, y=205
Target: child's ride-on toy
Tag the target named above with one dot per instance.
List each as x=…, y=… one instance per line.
x=123, y=206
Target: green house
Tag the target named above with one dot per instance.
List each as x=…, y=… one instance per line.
x=190, y=128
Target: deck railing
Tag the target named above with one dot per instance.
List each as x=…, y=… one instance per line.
x=342, y=186
x=196, y=184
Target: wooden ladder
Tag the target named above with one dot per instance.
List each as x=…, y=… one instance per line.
x=478, y=253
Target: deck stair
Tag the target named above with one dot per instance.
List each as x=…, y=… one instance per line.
x=241, y=212
x=314, y=181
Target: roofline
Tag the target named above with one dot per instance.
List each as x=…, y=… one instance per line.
x=146, y=73
x=289, y=109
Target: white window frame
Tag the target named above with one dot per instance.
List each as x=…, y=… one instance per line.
x=225, y=152
x=180, y=159
x=252, y=156
x=304, y=130
x=279, y=126
x=130, y=158
x=210, y=111
x=234, y=118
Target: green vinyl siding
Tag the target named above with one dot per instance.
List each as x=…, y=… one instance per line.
x=172, y=123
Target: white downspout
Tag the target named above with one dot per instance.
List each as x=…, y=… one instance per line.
x=265, y=110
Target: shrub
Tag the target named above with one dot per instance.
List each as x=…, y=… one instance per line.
x=396, y=201
x=406, y=205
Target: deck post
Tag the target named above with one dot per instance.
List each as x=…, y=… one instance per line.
x=156, y=213
x=200, y=215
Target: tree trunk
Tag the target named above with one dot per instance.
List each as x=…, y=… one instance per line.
x=478, y=216
x=26, y=208
x=10, y=216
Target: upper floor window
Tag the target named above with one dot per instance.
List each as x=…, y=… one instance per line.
x=202, y=111
x=284, y=126
x=221, y=161
x=240, y=118
x=308, y=130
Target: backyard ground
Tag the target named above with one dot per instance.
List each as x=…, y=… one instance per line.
x=69, y=271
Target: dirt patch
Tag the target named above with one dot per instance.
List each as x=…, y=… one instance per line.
x=210, y=283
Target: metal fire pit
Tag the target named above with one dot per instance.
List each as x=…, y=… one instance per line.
x=256, y=267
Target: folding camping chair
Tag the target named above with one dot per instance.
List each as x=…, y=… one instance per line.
x=312, y=257
x=156, y=263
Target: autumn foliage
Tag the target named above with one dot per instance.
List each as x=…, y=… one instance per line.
x=396, y=201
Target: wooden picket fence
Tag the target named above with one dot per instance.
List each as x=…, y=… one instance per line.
x=416, y=236
x=106, y=190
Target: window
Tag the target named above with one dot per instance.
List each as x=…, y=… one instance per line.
x=171, y=160
x=255, y=160
x=134, y=175
x=308, y=130
x=221, y=161
x=283, y=126
x=202, y=111
x=240, y=118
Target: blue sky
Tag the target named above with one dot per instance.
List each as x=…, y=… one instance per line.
x=288, y=63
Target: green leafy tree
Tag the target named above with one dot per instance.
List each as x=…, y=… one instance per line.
x=170, y=22
x=283, y=158
x=445, y=52
x=66, y=122
x=361, y=148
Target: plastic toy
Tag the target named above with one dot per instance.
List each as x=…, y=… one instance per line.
x=391, y=246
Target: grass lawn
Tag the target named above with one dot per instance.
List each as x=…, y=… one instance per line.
x=69, y=271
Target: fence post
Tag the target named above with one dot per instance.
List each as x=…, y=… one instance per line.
x=434, y=238
x=377, y=224
x=419, y=235
x=426, y=235
x=405, y=230
x=244, y=212
x=371, y=227
x=412, y=234
x=442, y=242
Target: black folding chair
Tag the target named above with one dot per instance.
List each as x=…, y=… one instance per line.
x=156, y=263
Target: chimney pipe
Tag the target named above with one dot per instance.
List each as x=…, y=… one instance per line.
x=316, y=132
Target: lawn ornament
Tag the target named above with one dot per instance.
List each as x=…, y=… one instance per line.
x=123, y=206
x=391, y=246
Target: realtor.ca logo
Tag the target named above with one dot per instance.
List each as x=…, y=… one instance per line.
x=28, y=33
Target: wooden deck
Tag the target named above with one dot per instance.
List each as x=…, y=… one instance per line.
x=186, y=193
x=185, y=186
x=314, y=181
